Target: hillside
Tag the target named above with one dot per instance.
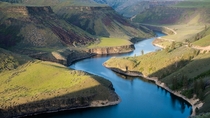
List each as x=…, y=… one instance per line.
x=38, y=27
x=129, y=8
x=183, y=64
x=61, y=25
x=31, y=30
x=181, y=68
x=102, y=21
x=180, y=13
x=30, y=86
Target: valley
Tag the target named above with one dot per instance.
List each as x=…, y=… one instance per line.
x=39, y=39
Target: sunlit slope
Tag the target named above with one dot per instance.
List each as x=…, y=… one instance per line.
x=39, y=27
x=186, y=12
x=102, y=21
x=29, y=86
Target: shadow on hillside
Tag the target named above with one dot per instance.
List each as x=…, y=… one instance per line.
x=191, y=69
x=59, y=102
x=184, y=76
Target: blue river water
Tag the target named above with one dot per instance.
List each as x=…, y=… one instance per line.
x=140, y=98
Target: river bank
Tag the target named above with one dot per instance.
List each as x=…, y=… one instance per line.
x=193, y=102
x=93, y=104
x=94, y=96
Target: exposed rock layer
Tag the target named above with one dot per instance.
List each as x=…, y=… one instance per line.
x=112, y=50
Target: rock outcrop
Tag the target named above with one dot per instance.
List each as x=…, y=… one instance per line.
x=112, y=50
x=26, y=10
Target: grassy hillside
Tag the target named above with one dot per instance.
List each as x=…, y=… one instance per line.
x=11, y=61
x=38, y=27
x=180, y=13
x=102, y=21
x=129, y=8
x=183, y=65
x=181, y=69
x=202, y=38
x=25, y=83
x=193, y=4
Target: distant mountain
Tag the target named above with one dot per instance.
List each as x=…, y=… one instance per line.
x=129, y=8
x=187, y=12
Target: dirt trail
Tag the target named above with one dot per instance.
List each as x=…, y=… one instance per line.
x=132, y=18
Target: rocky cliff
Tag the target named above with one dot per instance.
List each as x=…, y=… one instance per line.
x=112, y=50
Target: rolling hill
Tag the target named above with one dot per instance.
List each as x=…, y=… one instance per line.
x=180, y=13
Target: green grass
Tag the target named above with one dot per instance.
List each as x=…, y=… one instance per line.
x=203, y=42
x=110, y=42
x=10, y=61
x=197, y=66
x=184, y=31
x=47, y=80
x=156, y=63
x=178, y=69
x=194, y=4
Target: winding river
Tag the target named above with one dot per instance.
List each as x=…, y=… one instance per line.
x=140, y=98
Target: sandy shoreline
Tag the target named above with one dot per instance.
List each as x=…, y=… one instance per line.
x=191, y=101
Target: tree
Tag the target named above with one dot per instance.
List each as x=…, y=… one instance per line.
x=173, y=45
x=167, y=49
x=126, y=68
x=142, y=52
x=195, y=87
x=200, y=94
x=185, y=81
x=174, y=84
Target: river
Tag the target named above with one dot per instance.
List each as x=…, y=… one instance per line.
x=140, y=98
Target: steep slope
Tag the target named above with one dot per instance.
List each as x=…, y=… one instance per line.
x=102, y=21
x=38, y=27
x=44, y=29
x=191, y=12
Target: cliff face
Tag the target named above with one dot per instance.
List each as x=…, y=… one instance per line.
x=39, y=10
x=112, y=50
x=25, y=11
x=17, y=10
